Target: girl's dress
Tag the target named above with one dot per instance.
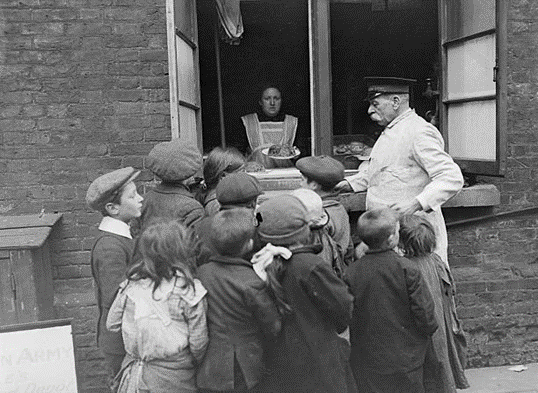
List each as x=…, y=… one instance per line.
x=164, y=333
x=445, y=357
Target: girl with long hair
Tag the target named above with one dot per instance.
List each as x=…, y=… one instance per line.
x=161, y=311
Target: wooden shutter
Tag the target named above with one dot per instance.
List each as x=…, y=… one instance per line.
x=473, y=110
x=184, y=70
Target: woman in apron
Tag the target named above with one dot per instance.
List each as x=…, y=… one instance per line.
x=269, y=127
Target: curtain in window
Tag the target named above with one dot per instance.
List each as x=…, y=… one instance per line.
x=230, y=20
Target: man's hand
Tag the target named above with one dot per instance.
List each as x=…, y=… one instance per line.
x=408, y=207
x=343, y=186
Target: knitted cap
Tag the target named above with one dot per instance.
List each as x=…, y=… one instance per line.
x=316, y=215
x=102, y=189
x=174, y=161
x=284, y=220
x=323, y=169
x=238, y=187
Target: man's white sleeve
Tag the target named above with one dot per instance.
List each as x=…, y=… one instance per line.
x=359, y=181
x=446, y=179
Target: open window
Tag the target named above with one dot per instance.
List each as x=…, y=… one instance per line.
x=319, y=51
x=473, y=90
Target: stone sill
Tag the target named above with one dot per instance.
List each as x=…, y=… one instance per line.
x=278, y=181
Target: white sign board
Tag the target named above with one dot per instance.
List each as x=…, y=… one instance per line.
x=38, y=358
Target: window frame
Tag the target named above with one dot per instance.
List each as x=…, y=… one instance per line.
x=481, y=167
x=182, y=24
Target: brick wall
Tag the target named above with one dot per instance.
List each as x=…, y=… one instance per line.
x=84, y=91
x=495, y=263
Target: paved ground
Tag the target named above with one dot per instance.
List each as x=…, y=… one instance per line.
x=502, y=380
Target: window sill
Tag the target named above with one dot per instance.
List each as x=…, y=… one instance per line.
x=278, y=181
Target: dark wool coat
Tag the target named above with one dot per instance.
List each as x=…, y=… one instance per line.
x=241, y=318
x=166, y=202
x=309, y=356
x=393, y=316
x=111, y=254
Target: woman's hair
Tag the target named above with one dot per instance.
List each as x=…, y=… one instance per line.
x=417, y=236
x=161, y=251
x=221, y=161
x=275, y=274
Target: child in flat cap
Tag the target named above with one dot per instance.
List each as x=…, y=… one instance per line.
x=321, y=174
x=316, y=305
x=242, y=317
x=236, y=190
x=172, y=162
x=114, y=195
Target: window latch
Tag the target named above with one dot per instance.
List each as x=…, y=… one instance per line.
x=495, y=72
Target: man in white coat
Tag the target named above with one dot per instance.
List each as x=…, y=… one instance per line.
x=409, y=170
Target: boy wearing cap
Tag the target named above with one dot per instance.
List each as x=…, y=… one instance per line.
x=172, y=162
x=114, y=195
x=316, y=305
x=393, y=313
x=321, y=174
x=236, y=190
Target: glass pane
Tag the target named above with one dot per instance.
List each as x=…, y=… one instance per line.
x=472, y=130
x=187, y=124
x=466, y=17
x=470, y=68
x=184, y=17
x=186, y=72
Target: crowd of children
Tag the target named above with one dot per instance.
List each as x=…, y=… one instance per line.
x=241, y=297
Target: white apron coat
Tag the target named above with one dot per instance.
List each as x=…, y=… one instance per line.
x=409, y=161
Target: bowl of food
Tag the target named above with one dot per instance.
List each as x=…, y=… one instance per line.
x=281, y=152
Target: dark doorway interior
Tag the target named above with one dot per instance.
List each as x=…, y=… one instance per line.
x=273, y=50
x=399, y=41
x=390, y=42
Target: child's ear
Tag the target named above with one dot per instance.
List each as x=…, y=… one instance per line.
x=112, y=209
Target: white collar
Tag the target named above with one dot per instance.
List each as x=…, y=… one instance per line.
x=113, y=225
x=400, y=117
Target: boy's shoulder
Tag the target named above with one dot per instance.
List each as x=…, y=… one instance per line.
x=107, y=239
x=237, y=270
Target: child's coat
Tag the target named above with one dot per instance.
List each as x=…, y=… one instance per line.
x=242, y=320
x=165, y=334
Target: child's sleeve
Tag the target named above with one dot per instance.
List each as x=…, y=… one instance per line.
x=330, y=295
x=115, y=315
x=264, y=309
x=195, y=315
x=420, y=301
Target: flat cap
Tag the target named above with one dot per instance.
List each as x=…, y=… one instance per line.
x=387, y=85
x=174, y=161
x=103, y=189
x=323, y=169
x=238, y=187
x=284, y=220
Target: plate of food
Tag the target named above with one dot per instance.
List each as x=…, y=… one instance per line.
x=358, y=149
x=281, y=152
